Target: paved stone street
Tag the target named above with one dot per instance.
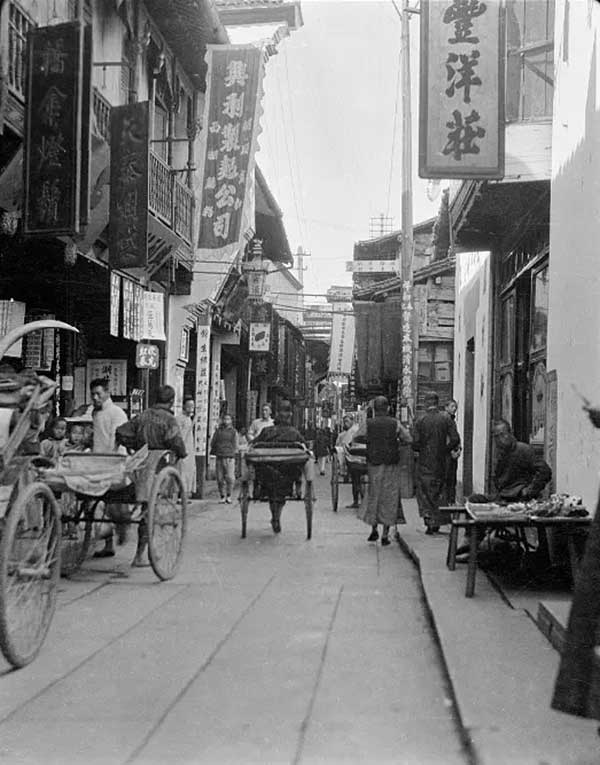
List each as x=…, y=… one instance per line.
x=264, y=650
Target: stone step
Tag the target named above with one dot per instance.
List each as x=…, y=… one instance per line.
x=552, y=619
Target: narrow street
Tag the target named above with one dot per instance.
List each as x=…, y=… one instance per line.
x=264, y=650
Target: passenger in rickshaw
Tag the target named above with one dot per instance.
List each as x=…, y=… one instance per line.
x=56, y=445
x=158, y=428
x=278, y=478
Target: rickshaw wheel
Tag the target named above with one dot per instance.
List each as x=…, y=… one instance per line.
x=167, y=520
x=335, y=489
x=29, y=572
x=308, y=506
x=244, y=500
x=77, y=522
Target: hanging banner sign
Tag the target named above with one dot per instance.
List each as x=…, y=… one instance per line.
x=153, y=316
x=202, y=388
x=53, y=148
x=231, y=116
x=129, y=172
x=260, y=336
x=341, y=352
x=462, y=89
x=115, y=301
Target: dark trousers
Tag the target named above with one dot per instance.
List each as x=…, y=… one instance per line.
x=450, y=487
x=429, y=490
x=355, y=476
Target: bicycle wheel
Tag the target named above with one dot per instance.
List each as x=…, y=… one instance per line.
x=166, y=519
x=76, y=533
x=335, y=488
x=29, y=572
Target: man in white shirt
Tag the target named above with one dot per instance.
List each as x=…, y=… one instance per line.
x=253, y=432
x=262, y=422
x=348, y=461
x=107, y=417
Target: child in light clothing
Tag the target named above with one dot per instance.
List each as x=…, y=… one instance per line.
x=54, y=447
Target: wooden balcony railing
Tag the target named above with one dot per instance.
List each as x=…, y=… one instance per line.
x=183, y=206
x=169, y=199
x=101, y=114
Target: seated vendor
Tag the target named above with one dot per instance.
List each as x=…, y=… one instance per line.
x=278, y=479
x=520, y=473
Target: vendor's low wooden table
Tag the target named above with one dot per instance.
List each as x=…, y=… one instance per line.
x=470, y=521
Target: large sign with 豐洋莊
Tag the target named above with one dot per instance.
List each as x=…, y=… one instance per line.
x=234, y=89
x=462, y=89
x=53, y=130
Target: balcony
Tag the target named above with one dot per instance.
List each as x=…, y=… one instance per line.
x=169, y=199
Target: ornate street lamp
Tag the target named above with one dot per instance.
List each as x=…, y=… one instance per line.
x=256, y=271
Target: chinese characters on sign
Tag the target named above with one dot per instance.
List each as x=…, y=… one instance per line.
x=113, y=370
x=341, y=352
x=115, y=300
x=146, y=356
x=128, y=222
x=462, y=89
x=53, y=148
x=260, y=336
x=153, y=316
x=202, y=382
x=231, y=117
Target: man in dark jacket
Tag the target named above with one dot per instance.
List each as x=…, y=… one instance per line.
x=158, y=428
x=520, y=474
x=434, y=437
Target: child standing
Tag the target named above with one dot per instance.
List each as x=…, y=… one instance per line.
x=54, y=447
x=224, y=445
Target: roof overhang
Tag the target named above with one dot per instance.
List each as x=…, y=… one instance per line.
x=188, y=26
x=250, y=12
x=483, y=214
x=269, y=223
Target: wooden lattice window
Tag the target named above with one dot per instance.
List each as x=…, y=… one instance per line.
x=19, y=24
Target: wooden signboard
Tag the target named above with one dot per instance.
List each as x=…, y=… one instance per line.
x=128, y=226
x=53, y=146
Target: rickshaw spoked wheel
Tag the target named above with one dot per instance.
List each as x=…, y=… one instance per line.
x=166, y=518
x=244, y=501
x=77, y=522
x=335, y=476
x=29, y=572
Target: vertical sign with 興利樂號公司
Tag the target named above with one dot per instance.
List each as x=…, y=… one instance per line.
x=129, y=171
x=462, y=89
x=235, y=74
x=202, y=383
x=53, y=130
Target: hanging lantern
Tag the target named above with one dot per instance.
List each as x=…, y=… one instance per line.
x=256, y=271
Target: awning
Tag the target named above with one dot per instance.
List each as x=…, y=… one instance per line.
x=11, y=184
x=269, y=223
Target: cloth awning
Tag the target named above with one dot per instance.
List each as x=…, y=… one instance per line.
x=269, y=223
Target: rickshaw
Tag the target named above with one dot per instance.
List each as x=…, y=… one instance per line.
x=357, y=453
x=277, y=455
x=33, y=528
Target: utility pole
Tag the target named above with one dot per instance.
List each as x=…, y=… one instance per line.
x=301, y=268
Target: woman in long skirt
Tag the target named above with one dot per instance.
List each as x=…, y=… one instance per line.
x=188, y=463
x=383, y=506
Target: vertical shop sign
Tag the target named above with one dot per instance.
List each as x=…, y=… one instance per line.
x=231, y=115
x=202, y=380
x=138, y=299
x=115, y=303
x=12, y=315
x=128, y=328
x=153, y=316
x=462, y=89
x=342, y=342
x=53, y=146
x=128, y=222
x=215, y=384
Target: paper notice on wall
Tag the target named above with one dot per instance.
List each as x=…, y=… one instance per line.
x=153, y=316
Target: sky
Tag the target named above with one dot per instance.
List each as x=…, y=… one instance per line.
x=327, y=147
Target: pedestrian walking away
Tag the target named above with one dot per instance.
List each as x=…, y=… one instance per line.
x=158, y=429
x=349, y=462
x=382, y=434
x=225, y=447
x=434, y=438
x=322, y=447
